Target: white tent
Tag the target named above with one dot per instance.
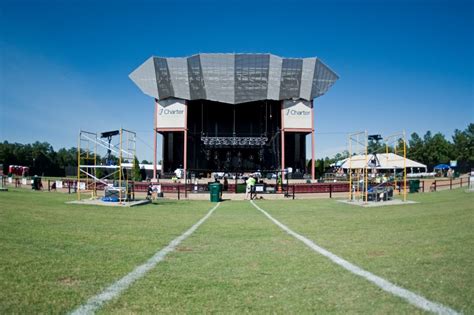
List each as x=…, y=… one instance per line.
x=380, y=161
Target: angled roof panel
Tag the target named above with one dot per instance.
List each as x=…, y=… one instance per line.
x=178, y=69
x=219, y=77
x=145, y=78
x=307, y=78
x=234, y=78
x=291, y=70
x=163, y=78
x=197, y=89
x=274, y=78
x=323, y=79
x=251, y=77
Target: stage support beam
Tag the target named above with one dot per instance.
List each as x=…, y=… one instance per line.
x=155, y=141
x=185, y=157
x=282, y=144
x=313, y=175
x=312, y=143
x=282, y=155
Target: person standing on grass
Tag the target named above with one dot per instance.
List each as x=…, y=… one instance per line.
x=226, y=183
x=250, y=184
x=279, y=185
x=149, y=191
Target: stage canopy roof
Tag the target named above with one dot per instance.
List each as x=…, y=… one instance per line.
x=234, y=78
x=380, y=161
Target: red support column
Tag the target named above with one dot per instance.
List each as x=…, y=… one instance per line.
x=155, y=140
x=282, y=144
x=313, y=175
x=282, y=155
x=162, y=171
x=185, y=157
x=312, y=142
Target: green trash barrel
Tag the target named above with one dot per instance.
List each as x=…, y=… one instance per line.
x=414, y=186
x=215, y=192
x=241, y=188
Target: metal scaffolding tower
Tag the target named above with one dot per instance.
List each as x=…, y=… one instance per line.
x=362, y=160
x=396, y=143
x=358, y=181
x=118, y=147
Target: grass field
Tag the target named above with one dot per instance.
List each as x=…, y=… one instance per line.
x=54, y=256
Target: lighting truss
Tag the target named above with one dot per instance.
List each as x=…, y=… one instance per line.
x=234, y=141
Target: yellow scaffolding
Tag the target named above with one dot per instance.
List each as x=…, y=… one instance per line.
x=358, y=181
x=127, y=154
x=397, y=142
x=359, y=163
x=87, y=158
x=86, y=162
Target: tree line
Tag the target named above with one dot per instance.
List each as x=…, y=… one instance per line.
x=41, y=158
x=431, y=149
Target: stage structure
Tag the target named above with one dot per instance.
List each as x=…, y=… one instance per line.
x=107, y=159
x=234, y=112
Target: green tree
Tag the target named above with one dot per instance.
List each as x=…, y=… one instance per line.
x=7, y=156
x=436, y=149
x=136, y=173
x=400, y=147
x=319, y=168
x=42, y=155
x=375, y=147
x=66, y=157
x=339, y=156
x=463, y=148
x=415, y=148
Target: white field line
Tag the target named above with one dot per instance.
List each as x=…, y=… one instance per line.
x=115, y=289
x=411, y=297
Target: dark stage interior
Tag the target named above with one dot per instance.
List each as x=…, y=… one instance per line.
x=234, y=138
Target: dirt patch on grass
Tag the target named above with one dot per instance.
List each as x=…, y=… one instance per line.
x=68, y=281
x=184, y=249
x=437, y=255
x=376, y=253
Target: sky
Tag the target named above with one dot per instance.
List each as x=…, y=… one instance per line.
x=403, y=65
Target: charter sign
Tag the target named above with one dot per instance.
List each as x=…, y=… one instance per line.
x=297, y=114
x=171, y=114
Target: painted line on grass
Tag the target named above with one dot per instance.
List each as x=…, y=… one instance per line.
x=115, y=289
x=413, y=298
